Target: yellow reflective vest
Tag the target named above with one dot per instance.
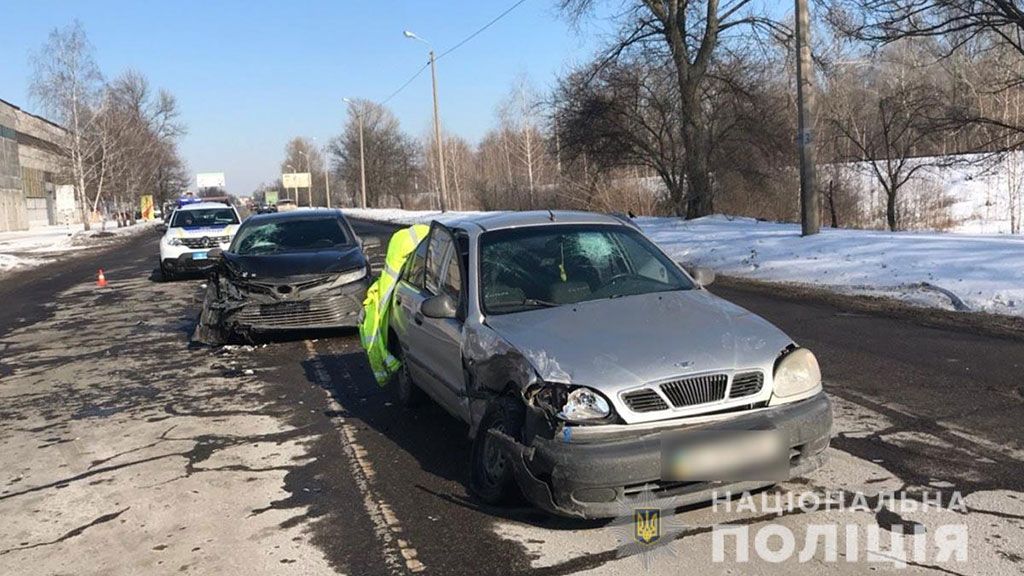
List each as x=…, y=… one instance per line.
x=373, y=332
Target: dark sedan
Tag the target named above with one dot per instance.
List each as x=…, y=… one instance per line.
x=295, y=270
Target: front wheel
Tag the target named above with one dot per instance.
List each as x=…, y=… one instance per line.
x=493, y=477
x=165, y=273
x=408, y=393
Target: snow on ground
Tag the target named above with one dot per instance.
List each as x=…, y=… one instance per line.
x=953, y=271
x=37, y=245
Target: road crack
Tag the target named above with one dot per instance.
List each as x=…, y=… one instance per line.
x=71, y=533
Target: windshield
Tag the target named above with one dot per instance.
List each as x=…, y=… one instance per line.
x=205, y=217
x=289, y=236
x=545, y=266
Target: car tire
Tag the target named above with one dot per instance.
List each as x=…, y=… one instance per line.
x=165, y=274
x=208, y=329
x=493, y=477
x=407, y=392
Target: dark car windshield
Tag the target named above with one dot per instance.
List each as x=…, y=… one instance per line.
x=204, y=217
x=545, y=266
x=291, y=235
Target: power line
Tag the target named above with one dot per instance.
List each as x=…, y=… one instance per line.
x=452, y=49
x=481, y=29
x=407, y=82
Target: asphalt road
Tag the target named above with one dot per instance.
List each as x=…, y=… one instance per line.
x=125, y=451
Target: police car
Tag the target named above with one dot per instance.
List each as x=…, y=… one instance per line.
x=192, y=231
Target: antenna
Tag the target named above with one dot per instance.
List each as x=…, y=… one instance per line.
x=551, y=215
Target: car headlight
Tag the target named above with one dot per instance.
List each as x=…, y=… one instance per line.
x=350, y=276
x=174, y=241
x=584, y=405
x=796, y=375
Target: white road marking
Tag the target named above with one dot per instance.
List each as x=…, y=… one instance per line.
x=397, y=550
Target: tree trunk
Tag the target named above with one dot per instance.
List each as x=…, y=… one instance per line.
x=890, y=209
x=697, y=164
x=832, y=203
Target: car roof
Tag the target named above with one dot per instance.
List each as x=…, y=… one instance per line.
x=296, y=214
x=205, y=206
x=502, y=220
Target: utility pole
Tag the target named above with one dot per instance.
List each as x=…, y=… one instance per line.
x=810, y=217
x=437, y=137
x=362, y=157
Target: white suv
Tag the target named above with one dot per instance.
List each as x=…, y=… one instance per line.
x=192, y=231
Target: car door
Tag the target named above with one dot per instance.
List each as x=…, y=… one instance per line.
x=408, y=297
x=434, y=344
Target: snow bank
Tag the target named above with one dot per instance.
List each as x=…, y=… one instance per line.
x=39, y=245
x=952, y=271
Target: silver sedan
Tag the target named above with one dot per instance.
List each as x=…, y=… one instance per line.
x=594, y=372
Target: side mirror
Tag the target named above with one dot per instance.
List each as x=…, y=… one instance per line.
x=161, y=227
x=215, y=254
x=440, y=306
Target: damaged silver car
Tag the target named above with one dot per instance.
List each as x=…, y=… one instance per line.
x=593, y=370
x=296, y=270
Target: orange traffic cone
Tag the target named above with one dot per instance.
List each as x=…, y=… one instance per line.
x=101, y=280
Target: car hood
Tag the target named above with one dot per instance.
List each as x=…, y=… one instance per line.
x=296, y=263
x=617, y=343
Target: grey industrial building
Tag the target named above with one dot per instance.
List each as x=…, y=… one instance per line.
x=33, y=173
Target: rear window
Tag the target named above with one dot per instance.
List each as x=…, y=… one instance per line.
x=204, y=217
x=279, y=236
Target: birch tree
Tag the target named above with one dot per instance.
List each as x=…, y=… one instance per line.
x=67, y=84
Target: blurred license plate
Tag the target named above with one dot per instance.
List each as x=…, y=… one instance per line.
x=199, y=255
x=724, y=455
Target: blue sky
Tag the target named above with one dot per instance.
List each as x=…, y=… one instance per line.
x=251, y=75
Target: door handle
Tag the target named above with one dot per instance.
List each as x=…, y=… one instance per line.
x=418, y=318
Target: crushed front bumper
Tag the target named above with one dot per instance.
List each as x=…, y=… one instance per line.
x=328, y=308
x=602, y=478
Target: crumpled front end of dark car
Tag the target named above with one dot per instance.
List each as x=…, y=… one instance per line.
x=245, y=307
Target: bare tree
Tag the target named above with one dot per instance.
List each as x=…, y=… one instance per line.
x=301, y=155
x=688, y=33
x=391, y=157
x=625, y=114
x=519, y=117
x=959, y=21
x=67, y=83
x=890, y=119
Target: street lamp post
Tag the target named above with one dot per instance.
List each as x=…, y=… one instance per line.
x=362, y=157
x=437, y=123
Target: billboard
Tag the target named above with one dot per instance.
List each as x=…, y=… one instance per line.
x=295, y=179
x=146, y=207
x=270, y=197
x=210, y=180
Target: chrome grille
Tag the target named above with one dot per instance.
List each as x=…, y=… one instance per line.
x=205, y=241
x=337, y=311
x=696, y=390
x=746, y=384
x=645, y=400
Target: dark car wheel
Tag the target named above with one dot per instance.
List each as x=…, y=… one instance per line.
x=493, y=478
x=208, y=328
x=407, y=392
x=165, y=273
